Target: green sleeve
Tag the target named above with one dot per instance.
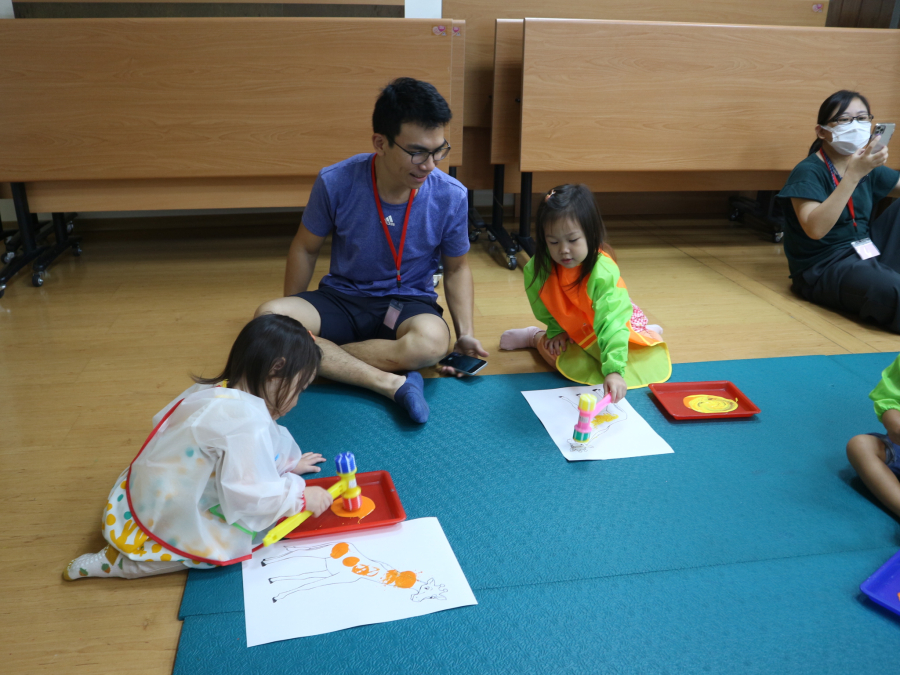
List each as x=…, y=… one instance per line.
x=886, y=394
x=612, y=311
x=533, y=290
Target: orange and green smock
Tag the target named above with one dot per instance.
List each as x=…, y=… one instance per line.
x=596, y=315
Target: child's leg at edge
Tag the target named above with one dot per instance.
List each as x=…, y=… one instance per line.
x=867, y=455
x=109, y=562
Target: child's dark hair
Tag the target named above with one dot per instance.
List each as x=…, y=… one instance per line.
x=407, y=100
x=271, y=346
x=833, y=107
x=562, y=202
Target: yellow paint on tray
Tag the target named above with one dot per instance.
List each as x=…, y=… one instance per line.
x=707, y=403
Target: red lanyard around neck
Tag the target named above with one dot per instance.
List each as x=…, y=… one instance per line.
x=398, y=255
x=834, y=177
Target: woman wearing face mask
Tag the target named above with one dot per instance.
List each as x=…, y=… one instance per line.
x=828, y=203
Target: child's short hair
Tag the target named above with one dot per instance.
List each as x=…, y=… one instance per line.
x=561, y=203
x=271, y=346
x=406, y=100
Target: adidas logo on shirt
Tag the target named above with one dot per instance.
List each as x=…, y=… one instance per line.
x=390, y=221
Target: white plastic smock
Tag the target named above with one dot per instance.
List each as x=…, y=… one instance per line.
x=219, y=446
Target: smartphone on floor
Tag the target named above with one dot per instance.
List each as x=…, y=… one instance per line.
x=462, y=363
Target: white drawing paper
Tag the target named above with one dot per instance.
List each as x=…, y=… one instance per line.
x=618, y=431
x=301, y=587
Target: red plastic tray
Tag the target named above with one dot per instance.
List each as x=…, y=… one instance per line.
x=377, y=486
x=671, y=396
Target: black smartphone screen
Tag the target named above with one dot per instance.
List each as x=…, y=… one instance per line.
x=463, y=363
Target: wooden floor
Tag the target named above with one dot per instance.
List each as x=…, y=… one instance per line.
x=112, y=336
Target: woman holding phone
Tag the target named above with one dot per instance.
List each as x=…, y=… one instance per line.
x=837, y=256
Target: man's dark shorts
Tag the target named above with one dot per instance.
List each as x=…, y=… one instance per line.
x=350, y=318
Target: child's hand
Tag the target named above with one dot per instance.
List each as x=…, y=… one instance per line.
x=557, y=345
x=615, y=385
x=307, y=463
x=317, y=500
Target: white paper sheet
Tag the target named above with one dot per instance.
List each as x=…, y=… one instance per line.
x=302, y=587
x=618, y=431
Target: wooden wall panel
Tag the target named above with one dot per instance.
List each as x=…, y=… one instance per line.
x=169, y=194
x=506, y=112
x=457, y=92
x=650, y=181
x=162, y=98
x=286, y=2
x=724, y=98
x=480, y=15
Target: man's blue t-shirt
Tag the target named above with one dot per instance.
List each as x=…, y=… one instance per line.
x=342, y=203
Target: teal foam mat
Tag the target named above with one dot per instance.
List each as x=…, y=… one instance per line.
x=796, y=615
x=518, y=514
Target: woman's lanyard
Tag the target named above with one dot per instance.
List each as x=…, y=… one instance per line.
x=398, y=255
x=837, y=179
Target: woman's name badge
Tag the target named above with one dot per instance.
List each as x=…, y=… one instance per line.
x=865, y=249
x=393, y=313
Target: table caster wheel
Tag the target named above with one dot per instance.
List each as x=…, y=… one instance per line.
x=512, y=262
x=76, y=250
x=491, y=237
x=37, y=279
x=8, y=257
x=735, y=215
x=777, y=237
x=473, y=237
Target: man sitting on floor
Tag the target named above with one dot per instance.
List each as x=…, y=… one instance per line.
x=392, y=219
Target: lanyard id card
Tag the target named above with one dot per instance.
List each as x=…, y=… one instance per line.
x=392, y=314
x=866, y=248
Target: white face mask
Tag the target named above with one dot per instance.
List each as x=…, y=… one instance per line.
x=848, y=138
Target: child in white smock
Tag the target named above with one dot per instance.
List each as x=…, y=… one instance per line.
x=216, y=446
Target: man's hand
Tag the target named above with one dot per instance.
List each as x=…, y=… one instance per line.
x=469, y=346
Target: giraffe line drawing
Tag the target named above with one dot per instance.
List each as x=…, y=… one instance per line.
x=611, y=415
x=345, y=564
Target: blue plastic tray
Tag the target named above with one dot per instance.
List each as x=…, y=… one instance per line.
x=883, y=587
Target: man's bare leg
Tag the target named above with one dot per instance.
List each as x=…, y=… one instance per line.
x=422, y=340
x=341, y=366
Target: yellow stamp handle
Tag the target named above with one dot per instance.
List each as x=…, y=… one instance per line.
x=288, y=524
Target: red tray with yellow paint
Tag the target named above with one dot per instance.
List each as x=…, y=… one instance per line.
x=703, y=400
x=377, y=486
